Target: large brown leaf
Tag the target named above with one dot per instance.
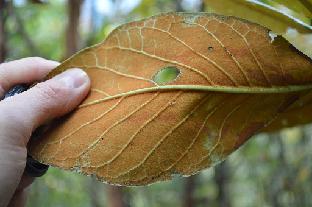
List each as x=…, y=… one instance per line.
x=219, y=80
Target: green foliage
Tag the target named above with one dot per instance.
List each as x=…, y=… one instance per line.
x=43, y=25
x=60, y=188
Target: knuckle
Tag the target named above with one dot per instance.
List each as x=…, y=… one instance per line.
x=53, y=98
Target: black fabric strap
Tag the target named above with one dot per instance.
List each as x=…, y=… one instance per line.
x=33, y=167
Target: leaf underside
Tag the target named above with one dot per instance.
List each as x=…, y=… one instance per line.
x=230, y=82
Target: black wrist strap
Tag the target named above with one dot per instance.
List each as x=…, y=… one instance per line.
x=33, y=167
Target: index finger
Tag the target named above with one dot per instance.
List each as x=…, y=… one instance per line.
x=25, y=70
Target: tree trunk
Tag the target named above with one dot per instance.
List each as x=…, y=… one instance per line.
x=3, y=15
x=115, y=196
x=202, y=6
x=189, y=188
x=95, y=192
x=222, y=179
x=179, y=7
x=72, y=34
x=279, y=177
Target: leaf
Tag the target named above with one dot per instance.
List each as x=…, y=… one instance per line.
x=280, y=21
x=300, y=9
x=298, y=113
x=173, y=94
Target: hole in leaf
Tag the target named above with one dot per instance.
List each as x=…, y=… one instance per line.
x=210, y=48
x=166, y=75
x=272, y=36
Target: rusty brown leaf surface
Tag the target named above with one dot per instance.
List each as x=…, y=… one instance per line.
x=231, y=81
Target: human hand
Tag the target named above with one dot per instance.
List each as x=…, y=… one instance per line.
x=21, y=114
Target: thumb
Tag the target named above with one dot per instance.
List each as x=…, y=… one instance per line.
x=45, y=101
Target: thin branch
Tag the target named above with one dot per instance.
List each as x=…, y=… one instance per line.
x=20, y=29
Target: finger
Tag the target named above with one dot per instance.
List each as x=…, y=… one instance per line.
x=26, y=70
x=45, y=101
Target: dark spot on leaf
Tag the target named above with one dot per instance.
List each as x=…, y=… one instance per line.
x=166, y=75
x=210, y=48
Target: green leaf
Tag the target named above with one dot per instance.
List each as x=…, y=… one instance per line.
x=296, y=31
x=300, y=9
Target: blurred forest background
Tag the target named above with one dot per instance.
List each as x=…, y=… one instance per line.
x=269, y=170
